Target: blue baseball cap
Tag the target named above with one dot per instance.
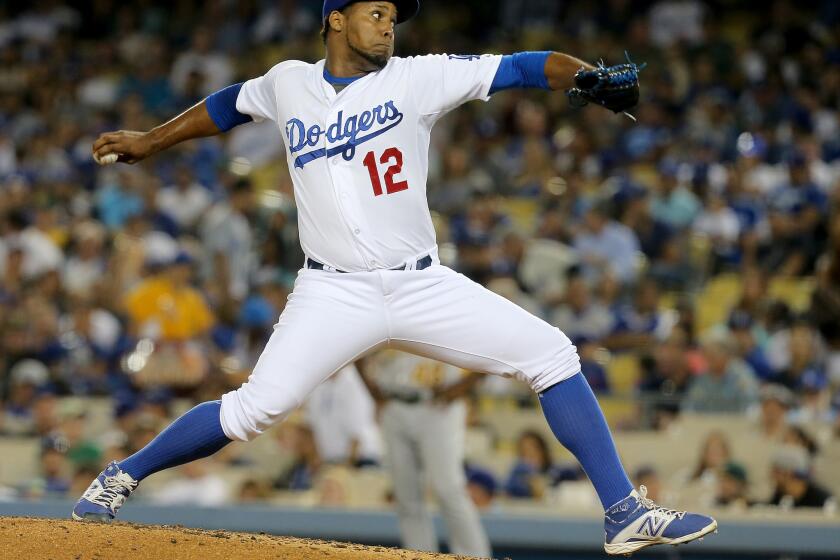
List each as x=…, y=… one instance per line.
x=406, y=9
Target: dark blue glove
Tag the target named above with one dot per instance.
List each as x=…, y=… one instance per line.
x=613, y=87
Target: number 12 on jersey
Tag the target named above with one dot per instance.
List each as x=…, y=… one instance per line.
x=395, y=158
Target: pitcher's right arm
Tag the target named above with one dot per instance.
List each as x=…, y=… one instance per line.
x=253, y=100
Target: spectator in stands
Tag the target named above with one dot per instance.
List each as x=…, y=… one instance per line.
x=714, y=455
x=507, y=262
x=54, y=478
x=634, y=210
x=797, y=222
x=473, y=232
x=120, y=197
x=307, y=461
x=727, y=384
x=536, y=170
x=797, y=436
x=606, y=246
x=795, y=487
x=81, y=451
x=638, y=325
x=741, y=327
x=185, y=201
x=459, y=182
x=825, y=301
x=673, y=269
x=256, y=316
x=481, y=486
x=753, y=297
x=815, y=404
x=11, y=283
x=581, y=316
x=666, y=375
x=91, y=342
x=732, y=487
x=86, y=264
x=44, y=414
x=719, y=223
x=26, y=378
x=214, y=66
x=198, y=485
x=40, y=253
x=114, y=440
x=228, y=240
x=26, y=335
x=802, y=358
x=342, y=414
x=776, y=401
x=166, y=307
x=531, y=473
x=253, y=490
x=674, y=204
x=591, y=365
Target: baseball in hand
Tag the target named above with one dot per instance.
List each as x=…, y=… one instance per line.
x=107, y=159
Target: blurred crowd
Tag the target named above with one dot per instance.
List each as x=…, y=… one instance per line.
x=161, y=281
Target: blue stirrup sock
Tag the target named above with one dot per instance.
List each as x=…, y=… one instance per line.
x=195, y=435
x=578, y=423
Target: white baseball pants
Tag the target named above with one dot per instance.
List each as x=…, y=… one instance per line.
x=332, y=319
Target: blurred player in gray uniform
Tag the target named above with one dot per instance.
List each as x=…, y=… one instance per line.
x=423, y=424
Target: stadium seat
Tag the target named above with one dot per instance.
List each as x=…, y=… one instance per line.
x=623, y=373
x=20, y=459
x=717, y=299
x=796, y=292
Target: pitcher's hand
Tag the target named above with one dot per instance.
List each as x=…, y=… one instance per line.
x=130, y=146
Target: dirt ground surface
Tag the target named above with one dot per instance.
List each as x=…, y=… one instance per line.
x=57, y=539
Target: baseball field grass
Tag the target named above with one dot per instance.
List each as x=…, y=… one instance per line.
x=57, y=539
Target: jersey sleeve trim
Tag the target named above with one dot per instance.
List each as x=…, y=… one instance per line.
x=221, y=106
x=521, y=70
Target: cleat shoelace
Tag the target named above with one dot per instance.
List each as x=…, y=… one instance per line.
x=112, y=488
x=651, y=505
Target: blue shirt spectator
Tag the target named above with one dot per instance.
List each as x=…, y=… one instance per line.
x=674, y=204
x=606, y=247
x=747, y=347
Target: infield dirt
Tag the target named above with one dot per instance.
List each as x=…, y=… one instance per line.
x=24, y=538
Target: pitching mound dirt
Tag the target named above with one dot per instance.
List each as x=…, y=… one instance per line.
x=52, y=539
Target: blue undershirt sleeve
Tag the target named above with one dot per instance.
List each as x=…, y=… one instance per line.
x=521, y=70
x=222, y=108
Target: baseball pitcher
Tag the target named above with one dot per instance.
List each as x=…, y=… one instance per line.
x=357, y=126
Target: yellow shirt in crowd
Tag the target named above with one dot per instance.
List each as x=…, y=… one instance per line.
x=180, y=313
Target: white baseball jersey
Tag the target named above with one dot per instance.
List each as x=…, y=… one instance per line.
x=359, y=158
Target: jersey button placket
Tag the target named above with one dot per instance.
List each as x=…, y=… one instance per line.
x=338, y=181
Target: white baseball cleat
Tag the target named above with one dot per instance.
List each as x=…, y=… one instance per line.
x=637, y=522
